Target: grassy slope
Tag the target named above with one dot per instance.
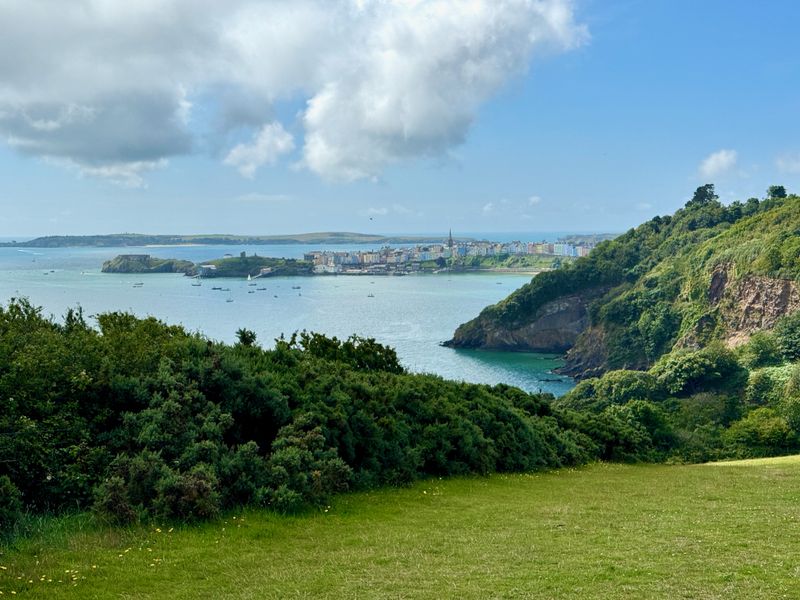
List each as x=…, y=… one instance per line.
x=730, y=530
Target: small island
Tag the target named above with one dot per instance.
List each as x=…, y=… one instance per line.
x=238, y=266
x=144, y=263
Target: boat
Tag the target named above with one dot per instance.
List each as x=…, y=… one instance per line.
x=251, y=291
x=252, y=284
x=261, y=289
x=295, y=287
x=370, y=295
x=225, y=289
x=229, y=300
x=216, y=288
x=138, y=284
x=198, y=284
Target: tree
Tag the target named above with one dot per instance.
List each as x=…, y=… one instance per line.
x=703, y=196
x=246, y=337
x=775, y=192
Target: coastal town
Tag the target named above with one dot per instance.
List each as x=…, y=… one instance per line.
x=448, y=254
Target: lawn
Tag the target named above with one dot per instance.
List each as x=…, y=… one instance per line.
x=729, y=530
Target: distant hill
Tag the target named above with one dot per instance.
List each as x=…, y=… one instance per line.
x=138, y=239
x=708, y=272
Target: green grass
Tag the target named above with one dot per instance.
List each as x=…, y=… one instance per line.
x=729, y=530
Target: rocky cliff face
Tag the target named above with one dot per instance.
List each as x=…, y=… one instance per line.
x=752, y=303
x=553, y=328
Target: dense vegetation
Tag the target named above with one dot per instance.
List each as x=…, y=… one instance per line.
x=509, y=261
x=710, y=403
x=242, y=266
x=654, y=280
x=137, y=418
x=144, y=263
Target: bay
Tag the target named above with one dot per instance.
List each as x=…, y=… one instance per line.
x=413, y=314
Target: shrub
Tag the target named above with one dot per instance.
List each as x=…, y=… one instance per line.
x=762, y=350
x=767, y=386
x=687, y=372
x=188, y=496
x=112, y=503
x=10, y=505
x=615, y=387
x=762, y=432
x=787, y=332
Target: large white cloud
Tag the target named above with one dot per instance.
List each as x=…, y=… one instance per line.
x=109, y=85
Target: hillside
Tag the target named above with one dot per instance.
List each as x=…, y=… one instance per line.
x=138, y=239
x=708, y=272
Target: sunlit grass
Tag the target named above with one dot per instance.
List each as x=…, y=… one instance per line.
x=606, y=531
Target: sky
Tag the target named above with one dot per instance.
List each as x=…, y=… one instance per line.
x=388, y=116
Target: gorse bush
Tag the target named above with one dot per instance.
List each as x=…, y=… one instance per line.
x=139, y=419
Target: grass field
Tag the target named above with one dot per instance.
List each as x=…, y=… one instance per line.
x=729, y=530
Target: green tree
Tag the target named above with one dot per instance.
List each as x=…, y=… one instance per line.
x=775, y=192
x=246, y=337
x=703, y=196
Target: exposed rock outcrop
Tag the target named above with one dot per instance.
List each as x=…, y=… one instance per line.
x=752, y=303
x=588, y=357
x=553, y=328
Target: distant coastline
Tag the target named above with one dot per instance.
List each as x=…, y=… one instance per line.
x=145, y=240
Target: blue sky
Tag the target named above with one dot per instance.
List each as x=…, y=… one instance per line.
x=614, y=113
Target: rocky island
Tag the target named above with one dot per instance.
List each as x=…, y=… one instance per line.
x=234, y=266
x=144, y=263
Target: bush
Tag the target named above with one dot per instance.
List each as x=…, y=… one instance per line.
x=767, y=386
x=188, y=496
x=615, y=387
x=787, y=332
x=762, y=350
x=112, y=503
x=10, y=505
x=687, y=372
x=762, y=432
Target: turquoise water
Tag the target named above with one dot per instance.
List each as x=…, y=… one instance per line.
x=413, y=314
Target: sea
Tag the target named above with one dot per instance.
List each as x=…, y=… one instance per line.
x=412, y=313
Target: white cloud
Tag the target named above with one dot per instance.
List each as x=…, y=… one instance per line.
x=788, y=163
x=718, y=163
x=644, y=206
x=268, y=144
x=488, y=207
x=382, y=81
x=534, y=200
x=128, y=174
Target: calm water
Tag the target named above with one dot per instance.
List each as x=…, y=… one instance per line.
x=413, y=314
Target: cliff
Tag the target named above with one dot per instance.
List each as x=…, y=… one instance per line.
x=708, y=272
x=554, y=327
